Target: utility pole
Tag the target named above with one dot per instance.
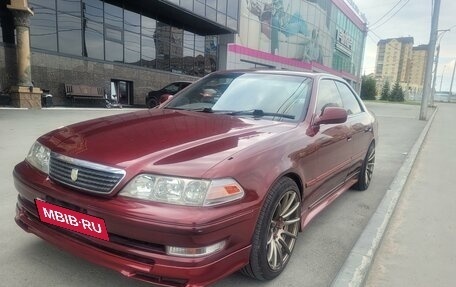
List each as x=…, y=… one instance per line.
x=430, y=60
x=451, y=85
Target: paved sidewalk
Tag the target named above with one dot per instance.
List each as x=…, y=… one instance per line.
x=418, y=248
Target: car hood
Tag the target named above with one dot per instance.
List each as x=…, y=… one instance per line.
x=162, y=141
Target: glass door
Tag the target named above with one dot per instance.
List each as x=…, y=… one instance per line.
x=123, y=91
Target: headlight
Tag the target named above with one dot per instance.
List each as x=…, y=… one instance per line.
x=183, y=191
x=38, y=157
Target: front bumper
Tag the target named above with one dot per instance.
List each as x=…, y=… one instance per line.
x=151, y=265
x=153, y=272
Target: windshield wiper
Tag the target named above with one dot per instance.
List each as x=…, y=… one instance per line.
x=257, y=113
x=203, y=110
x=173, y=108
x=260, y=113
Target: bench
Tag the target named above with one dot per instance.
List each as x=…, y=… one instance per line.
x=84, y=92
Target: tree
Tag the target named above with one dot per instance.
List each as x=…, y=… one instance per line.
x=397, y=94
x=385, y=92
x=368, y=88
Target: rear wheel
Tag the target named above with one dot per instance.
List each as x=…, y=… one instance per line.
x=367, y=170
x=276, y=231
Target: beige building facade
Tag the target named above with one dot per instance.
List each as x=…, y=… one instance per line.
x=399, y=61
x=417, y=69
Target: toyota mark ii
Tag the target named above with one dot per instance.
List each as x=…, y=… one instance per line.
x=222, y=177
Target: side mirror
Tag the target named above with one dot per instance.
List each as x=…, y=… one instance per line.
x=331, y=115
x=164, y=99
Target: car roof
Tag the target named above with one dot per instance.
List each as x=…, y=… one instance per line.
x=314, y=75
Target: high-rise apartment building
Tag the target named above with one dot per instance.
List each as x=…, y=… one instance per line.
x=393, y=56
x=398, y=61
x=417, y=68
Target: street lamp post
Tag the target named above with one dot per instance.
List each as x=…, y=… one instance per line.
x=441, y=78
x=431, y=100
x=451, y=85
x=436, y=60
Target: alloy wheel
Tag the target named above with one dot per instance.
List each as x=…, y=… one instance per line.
x=370, y=165
x=283, y=230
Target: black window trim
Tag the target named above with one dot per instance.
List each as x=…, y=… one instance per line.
x=354, y=94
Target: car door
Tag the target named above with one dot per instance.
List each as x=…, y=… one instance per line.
x=358, y=122
x=327, y=167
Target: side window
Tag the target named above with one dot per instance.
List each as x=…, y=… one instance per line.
x=349, y=100
x=182, y=86
x=328, y=96
x=173, y=88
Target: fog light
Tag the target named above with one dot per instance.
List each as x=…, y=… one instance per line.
x=196, y=251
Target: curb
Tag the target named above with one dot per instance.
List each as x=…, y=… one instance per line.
x=357, y=265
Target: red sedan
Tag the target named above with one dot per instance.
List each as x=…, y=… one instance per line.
x=220, y=178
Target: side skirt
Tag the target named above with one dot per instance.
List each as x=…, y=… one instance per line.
x=309, y=214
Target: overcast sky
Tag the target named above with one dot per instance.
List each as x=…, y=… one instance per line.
x=413, y=20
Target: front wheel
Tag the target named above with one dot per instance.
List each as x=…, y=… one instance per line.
x=367, y=170
x=276, y=231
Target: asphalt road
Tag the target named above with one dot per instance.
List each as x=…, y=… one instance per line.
x=321, y=249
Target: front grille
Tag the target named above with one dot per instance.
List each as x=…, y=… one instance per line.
x=84, y=175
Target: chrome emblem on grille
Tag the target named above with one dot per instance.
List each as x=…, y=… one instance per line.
x=74, y=174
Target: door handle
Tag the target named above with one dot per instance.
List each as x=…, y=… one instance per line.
x=349, y=139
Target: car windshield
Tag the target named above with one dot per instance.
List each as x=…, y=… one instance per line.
x=272, y=96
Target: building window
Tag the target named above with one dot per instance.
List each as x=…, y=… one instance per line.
x=211, y=46
x=93, y=33
x=69, y=27
x=148, y=52
x=211, y=3
x=132, y=48
x=69, y=33
x=199, y=7
x=132, y=41
x=176, y=49
x=221, y=6
x=113, y=15
x=114, y=34
x=43, y=27
x=72, y=7
x=100, y=30
x=232, y=23
x=187, y=4
x=132, y=22
x=211, y=13
x=221, y=18
x=162, y=46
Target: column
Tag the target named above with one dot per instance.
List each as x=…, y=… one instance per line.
x=24, y=94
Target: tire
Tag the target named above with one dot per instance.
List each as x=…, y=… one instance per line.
x=152, y=103
x=274, y=240
x=367, y=170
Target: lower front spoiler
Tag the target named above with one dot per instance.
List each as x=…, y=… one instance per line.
x=155, y=273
